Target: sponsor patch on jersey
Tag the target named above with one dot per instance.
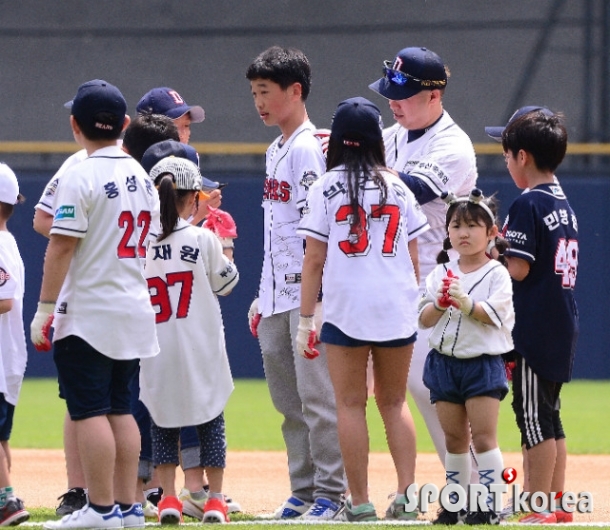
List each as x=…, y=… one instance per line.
x=63, y=308
x=66, y=211
x=4, y=276
x=513, y=235
x=294, y=277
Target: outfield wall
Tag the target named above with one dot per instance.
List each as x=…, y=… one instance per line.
x=589, y=196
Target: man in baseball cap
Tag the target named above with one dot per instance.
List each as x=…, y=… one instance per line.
x=167, y=101
x=496, y=132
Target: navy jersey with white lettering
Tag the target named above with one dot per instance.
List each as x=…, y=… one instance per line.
x=541, y=228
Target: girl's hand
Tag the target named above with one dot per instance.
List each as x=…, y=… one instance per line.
x=464, y=302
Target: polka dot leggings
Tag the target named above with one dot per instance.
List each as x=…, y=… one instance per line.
x=212, y=441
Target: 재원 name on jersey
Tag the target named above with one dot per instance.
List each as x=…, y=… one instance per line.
x=277, y=191
x=164, y=252
x=513, y=235
x=65, y=212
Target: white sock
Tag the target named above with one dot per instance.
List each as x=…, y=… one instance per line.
x=457, y=469
x=491, y=466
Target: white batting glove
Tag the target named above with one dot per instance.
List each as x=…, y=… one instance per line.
x=307, y=338
x=41, y=326
x=254, y=317
x=465, y=302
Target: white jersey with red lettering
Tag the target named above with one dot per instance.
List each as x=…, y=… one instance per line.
x=13, y=351
x=291, y=168
x=110, y=204
x=444, y=159
x=189, y=382
x=369, y=285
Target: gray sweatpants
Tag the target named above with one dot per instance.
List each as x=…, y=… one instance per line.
x=302, y=392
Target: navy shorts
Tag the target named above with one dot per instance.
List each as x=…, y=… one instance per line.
x=91, y=383
x=457, y=380
x=536, y=405
x=331, y=334
x=7, y=412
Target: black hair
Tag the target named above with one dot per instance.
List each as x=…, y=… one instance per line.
x=146, y=130
x=361, y=163
x=545, y=137
x=171, y=201
x=6, y=209
x=284, y=66
x=111, y=130
x=469, y=211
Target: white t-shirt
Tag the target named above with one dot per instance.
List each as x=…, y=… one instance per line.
x=464, y=337
x=189, y=382
x=13, y=351
x=108, y=202
x=369, y=285
x=291, y=168
x=444, y=159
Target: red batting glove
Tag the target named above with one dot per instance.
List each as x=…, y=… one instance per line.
x=40, y=328
x=509, y=366
x=254, y=317
x=221, y=223
x=307, y=338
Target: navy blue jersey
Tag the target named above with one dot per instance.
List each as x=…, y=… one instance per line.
x=541, y=228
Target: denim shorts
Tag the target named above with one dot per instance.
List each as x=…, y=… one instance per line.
x=92, y=383
x=7, y=412
x=457, y=380
x=331, y=334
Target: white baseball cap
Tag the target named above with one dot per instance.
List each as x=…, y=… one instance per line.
x=9, y=187
x=185, y=174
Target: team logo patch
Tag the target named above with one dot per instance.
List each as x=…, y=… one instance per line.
x=308, y=178
x=4, y=276
x=67, y=211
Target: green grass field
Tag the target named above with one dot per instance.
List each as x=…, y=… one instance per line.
x=253, y=424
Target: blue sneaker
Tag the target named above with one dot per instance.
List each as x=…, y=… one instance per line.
x=321, y=510
x=291, y=509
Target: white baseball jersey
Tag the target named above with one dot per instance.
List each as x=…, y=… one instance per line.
x=291, y=168
x=369, y=285
x=46, y=202
x=189, y=382
x=460, y=336
x=13, y=351
x=444, y=159
x=108, y=202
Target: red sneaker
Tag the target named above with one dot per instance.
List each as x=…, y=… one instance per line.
x=539, y=518
x=564, y=517
x=215, y=511
x=170, y=510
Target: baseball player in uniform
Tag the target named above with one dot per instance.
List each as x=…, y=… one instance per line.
x=432, y=155
x=106, y=209
x=300, y=390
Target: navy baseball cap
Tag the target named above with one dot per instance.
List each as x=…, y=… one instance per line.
x=167, y=101
x=356, y=120
x=413, y=70
x=168, y=148
x=496, y=132
x=99, y=105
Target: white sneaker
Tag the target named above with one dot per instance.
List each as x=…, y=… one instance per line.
x=87, y=517
x=149, y=509
x=194, y=508
x=134, y=517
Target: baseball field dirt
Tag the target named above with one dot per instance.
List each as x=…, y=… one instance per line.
x=259, y=480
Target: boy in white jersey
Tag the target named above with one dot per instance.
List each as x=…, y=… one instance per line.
x=106, y=210
x=432, y=155
x=13, y=353
x=301, y=391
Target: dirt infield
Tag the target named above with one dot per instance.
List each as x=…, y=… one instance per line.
x=259, y=480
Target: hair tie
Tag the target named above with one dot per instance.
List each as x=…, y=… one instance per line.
x=476, y=197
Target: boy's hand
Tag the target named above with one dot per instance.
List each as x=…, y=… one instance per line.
x=41, y=326
x=465, y=302
x=254, y=317
x=307, y=338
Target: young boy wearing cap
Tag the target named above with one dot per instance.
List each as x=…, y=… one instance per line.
x=542, y=259
x=13, y=353
x=361, y=225
x=432, y=155
x=301, y=390
x=106, y=211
